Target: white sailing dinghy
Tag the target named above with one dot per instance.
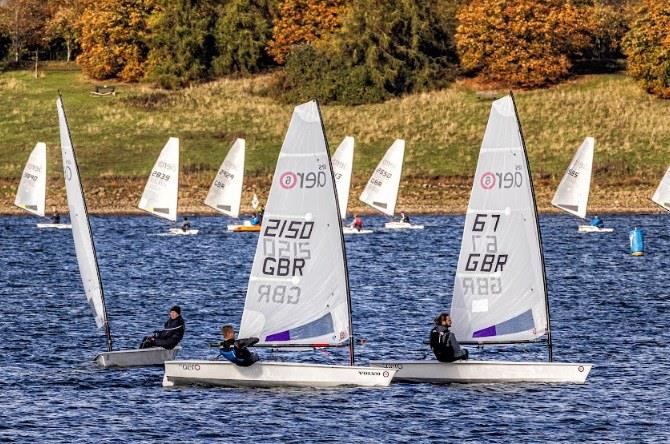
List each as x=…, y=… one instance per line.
x=343, y=161
x=32, y=191
x=298, y=291
x=500, y=292
x=381, y=191
x=572, y=194
x=661, y=196
x=161, y=191
x=88, y=261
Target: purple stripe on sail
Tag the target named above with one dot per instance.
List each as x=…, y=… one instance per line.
x=281, y=336
x=485, y=332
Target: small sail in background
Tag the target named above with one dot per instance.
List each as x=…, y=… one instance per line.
x=160, y=193
x=381, y=191
x=31, y=194
x=662, y=194
x=572, y=194
x=343, y=161
x=225, y=192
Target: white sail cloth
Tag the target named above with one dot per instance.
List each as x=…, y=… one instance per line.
x=31, y=195
x=298, y=288
x=225, y=193
x=81, y=230
x=343, y=161
x=662, y=194
x=572, y=194
x=160, y=193
x=499, y=292
x=381, y=191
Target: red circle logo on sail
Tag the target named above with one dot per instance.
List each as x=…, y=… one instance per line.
x=288, y=180
x=488, y=180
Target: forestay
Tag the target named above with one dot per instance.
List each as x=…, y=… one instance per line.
x=343, y=161
x=226, y=190
x=81, y=230
x=572, y=194
x=31, y=194
x=160, y=193
x=298, y=292
x=381, y=191
x=662, y=194
x=499, y=292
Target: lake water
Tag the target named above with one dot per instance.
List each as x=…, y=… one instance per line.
x=607, y=307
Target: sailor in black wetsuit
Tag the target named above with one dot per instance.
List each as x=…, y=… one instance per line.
x=444, y=343
x=186, y=225
x=236, y=351
x=171, y=334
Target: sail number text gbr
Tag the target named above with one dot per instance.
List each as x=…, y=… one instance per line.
x=484, y=257
x=286, y=250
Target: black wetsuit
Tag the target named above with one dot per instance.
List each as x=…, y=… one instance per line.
x=169, y=337
x=445, y=346
x=236, y=351
x=186, y=226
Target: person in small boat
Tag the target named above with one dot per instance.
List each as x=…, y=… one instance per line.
x=236, y=350
x=172, y=333
x=261, y=211
x=444, y=343
x=597, y=222
x=255, y=219
x=186, y=225
x=404, y=217
x=55, y=217
x=357, y=223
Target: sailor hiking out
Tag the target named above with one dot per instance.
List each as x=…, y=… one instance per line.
x=236, y=351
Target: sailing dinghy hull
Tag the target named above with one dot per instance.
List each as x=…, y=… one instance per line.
x=402, y=226
x=56, y=226
x=592, y=229
x=349, y=230
x=246, y=228
x=145, y=357
x=180, y=232
x=487, y=371
x=273, y=374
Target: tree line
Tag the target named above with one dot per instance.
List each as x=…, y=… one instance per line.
x=345, y=51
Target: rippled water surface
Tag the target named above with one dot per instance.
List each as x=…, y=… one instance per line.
x=607, y=308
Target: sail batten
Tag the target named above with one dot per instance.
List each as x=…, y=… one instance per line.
x=298, y=292
x=572, y=194
x=225, y=193
x=161, y=191
x=499, y=293
x=662, y=194
x=381, y=191
x=31, y=194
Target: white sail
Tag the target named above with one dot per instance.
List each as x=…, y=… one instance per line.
x=499, y=292
x=31, y=195
x=255, y=202
x=662, y=194
x=81, y=230
x=343, y=161
x=298, y=288
x=381, y=191
x=572, y=194
x=225, y=193
x=160, y=193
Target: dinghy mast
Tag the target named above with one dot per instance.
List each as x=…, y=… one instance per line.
x=539, y=232
x=80, y=223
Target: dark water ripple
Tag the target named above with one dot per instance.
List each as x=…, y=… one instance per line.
x=607, y=308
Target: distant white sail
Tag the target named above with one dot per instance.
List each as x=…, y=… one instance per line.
x=572, y=194
x=381, y=191
x=662, y=194
x=343, y=161
x=225, y=193
x=160, y=193
x=298, y=288
x=255, y=202
x=81, y=230
x=499, y=293
x=31, y=195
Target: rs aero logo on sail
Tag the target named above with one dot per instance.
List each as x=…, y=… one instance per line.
x=289, y=179
x=502, y=180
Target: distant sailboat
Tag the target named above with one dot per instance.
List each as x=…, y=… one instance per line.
x=88, y=261
x=500, y=293
x=381, y=191
x=300, y=298
x=161, y=191
x=661, y=196
x=31, y=194
x=343, y=161
x=572, y=194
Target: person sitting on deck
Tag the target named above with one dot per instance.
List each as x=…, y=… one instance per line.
x=357, y=223
x=404, y=217
x=255, y=220
x=261, y=211
x=186, y=225
x=171, y=334
x=444, y=343
x=55, y=218
x=236, y=351
x=597, y=222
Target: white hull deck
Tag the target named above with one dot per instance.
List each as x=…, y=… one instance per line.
x=593, y=229
x=349, y=230
x=145, y=357
x=273, y=374
x=55, y=226
x=180, y=232
x=402, y=226
x=487, y=371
